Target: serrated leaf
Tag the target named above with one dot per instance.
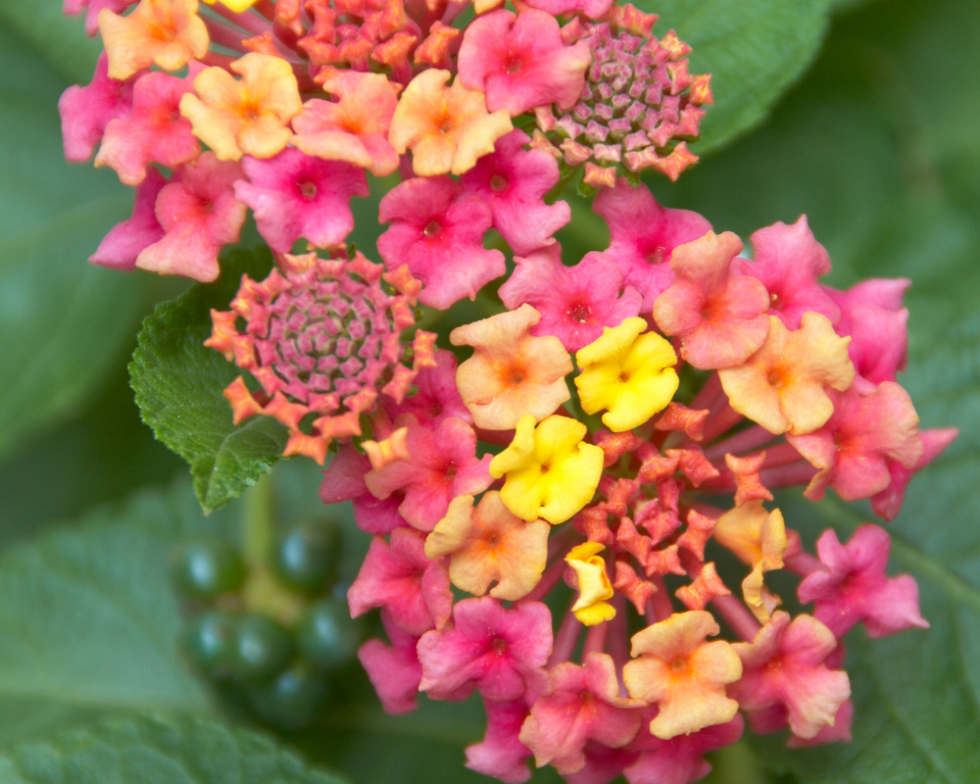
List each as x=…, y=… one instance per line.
x=88, y=622
x=178, y=384
x=162, y=751
x=754, y=50
x=62, y=320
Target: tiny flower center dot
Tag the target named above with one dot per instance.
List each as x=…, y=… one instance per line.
x=516, y=378
x=514, y=66
x=499, y=645
x=308, y=190
x=432, y=229
x=678, y=665
x=580, y=313
x=498, y=183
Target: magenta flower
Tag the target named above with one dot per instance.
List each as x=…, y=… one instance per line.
x=575, y=303
x=395, y=672
x=154, y=131
x=501, y=652
x=679, y=760
x=86, y=111
x=643, y=236
x=440, y=237
x=436, y=397
x=501, y=754
x=344, y=481
x=785, y=666
x=584, y=705
x=888, y=503
x=852, y=451
x=126, y=240
x=295, y=195
x=788, y=260
x=399, y=577
x=520, y=61
x=199, y=215
x=854, y=587
x=513, y=182
x=92, y=9
x=443, y=465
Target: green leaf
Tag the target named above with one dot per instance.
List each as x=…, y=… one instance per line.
x=157, y=750
x=60, y=39
x=754, y=50
x=62, y=320
x=179, y=386
x=88, y=621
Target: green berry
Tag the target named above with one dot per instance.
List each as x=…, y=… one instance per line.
x=261, y=649
x=207, y=641
x=306, y=558
x=292, y=700
x=327, y=635
x=206, y=568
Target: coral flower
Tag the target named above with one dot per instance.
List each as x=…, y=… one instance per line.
x=248, y=116
x=551, y=472
x=630, y=375
x=782, y=385
x=446, y=128
x=354, y=128
x=488, y=544
x=591, y=607
x=684, y=675
x=511, y=374
x=167, y=33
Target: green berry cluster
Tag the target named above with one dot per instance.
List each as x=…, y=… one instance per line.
x=269, y=634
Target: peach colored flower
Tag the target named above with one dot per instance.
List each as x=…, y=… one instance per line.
x=782, y=385
x=167, y=33
x=446, y=128
x=511, y=373
x=249, y=116
x=488, y=544
x=684, y=675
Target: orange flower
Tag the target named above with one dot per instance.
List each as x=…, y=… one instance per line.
x=167, y=33
x=758, y=538
x=684, y=675
x=446, y=128
x=488, y=544
x=247, y=116
x=511, y=373
x=781, y=386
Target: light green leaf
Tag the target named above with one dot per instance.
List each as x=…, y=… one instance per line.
x=179, y=382
x=157, y=750
x=60, y=39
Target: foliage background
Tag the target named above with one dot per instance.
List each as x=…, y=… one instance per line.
x=877, y=143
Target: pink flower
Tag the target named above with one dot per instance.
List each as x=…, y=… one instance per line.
x=720, y=316
x=394, y=672
x=344, y=481
x=873, y=316
x=437, y=397
x=888, y=503
x=499, y=651
x=788, y=260
x=520, y=61
x=591, y=8
x=440, y=237
x=443, y=465
x=155, y=130
x=602, y=764
x=399, y=578
x=852, y=451
x=679, y=760
x=86, y=111
x=854, y=587
x=575, y=303
x=501, y=754
x=840, y=732
x=294, y=195
x=123, y=244
x=72, y=7
x=199, y=215
x=784, y=665
x=513, y=182
x=643, y=236
x=584, y=705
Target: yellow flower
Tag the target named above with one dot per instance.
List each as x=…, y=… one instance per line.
x=235, y=5
x=247, y=116
x=629, y=375
x=550, y=472
x=593, y=584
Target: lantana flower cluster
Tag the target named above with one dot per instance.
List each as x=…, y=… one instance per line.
x=555, y=478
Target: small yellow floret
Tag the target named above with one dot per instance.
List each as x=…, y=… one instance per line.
x=550, y=472
x=594, y=586
x=235, y=5
x=630, y=375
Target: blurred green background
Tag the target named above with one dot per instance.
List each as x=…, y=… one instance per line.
x=863, y=115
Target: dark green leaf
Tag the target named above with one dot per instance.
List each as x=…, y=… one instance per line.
x=179, y=382
x=161, y=751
